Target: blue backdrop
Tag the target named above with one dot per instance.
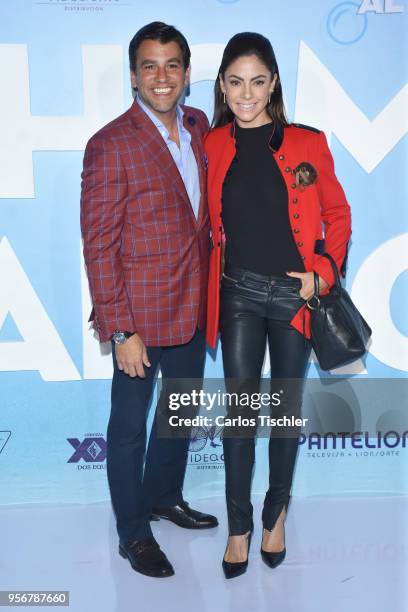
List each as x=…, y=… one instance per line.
x=64, y=74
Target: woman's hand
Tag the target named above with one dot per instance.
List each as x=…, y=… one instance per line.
x=307, y=278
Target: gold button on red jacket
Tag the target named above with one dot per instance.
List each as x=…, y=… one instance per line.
x=316, y=212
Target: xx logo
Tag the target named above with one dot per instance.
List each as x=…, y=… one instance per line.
x=90, y=450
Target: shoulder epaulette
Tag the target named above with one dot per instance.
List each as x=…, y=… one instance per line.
x=306, y=127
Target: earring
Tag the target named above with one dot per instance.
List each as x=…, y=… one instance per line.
x=269, y=99
x=225, y=99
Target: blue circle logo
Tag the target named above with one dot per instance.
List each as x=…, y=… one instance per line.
x=344, y=25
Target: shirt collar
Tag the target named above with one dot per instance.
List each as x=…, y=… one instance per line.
x=160, y=126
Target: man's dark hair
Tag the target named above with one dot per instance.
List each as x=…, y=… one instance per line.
x=162, y=32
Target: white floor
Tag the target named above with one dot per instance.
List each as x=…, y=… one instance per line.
x=343, y=555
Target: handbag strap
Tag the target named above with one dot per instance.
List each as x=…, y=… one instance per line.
x=316, y=293
x=334, y=268
x=316, y=284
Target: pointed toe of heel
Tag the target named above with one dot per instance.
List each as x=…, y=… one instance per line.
x=273, y=559
x=233, y=570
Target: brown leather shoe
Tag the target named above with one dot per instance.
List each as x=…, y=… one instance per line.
x=146, y=557
x=184, y=516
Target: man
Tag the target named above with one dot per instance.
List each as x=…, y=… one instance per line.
x=145, y=228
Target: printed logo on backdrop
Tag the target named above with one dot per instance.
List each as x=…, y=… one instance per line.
x=345, y=25
x=90, y=453
x=349, y=422
x=205, y=449
x=4, y=438
x=83, y=5
x=354, y=444
x=381, y=7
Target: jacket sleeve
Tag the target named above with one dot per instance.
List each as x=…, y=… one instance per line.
x=335, y=212
x=103, y=196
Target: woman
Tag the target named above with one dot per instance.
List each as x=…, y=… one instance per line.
x=271, y=188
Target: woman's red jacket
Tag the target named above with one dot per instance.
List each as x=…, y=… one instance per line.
x=319, y=211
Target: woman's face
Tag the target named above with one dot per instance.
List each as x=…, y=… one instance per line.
x=247, y=84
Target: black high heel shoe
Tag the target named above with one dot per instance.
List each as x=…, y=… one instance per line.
x=232, y=570
x=273, y=559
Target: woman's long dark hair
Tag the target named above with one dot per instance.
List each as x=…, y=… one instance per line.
x=244, y=44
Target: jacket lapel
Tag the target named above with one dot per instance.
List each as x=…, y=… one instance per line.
x=158, y=150
x=197, y=145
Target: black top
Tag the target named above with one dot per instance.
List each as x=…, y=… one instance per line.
x=255, y=208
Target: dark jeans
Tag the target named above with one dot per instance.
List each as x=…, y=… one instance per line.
x=134, y=490
x=256, y=309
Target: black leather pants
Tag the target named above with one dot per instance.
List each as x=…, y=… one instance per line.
x=256, y=309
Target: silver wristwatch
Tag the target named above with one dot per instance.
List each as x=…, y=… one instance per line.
x=120, y=337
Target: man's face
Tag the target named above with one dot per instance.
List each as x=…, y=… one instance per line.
x=160, y=77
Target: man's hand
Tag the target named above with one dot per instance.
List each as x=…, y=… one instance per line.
x=131, y=356
x=307, y=289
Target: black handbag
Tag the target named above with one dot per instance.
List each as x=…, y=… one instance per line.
x=339, y=333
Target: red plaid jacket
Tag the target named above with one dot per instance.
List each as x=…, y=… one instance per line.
x=145, y=252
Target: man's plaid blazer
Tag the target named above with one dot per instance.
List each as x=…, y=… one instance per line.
x=146, y=253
